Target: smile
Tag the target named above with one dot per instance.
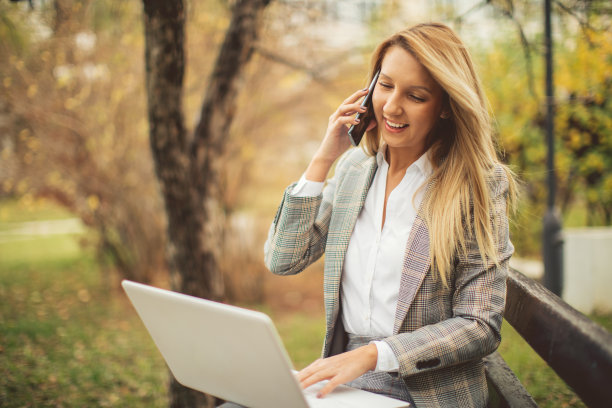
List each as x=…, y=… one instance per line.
x=395, y=125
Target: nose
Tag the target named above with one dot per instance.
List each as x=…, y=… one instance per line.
x=392, y=106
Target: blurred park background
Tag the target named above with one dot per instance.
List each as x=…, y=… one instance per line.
x=80, y=200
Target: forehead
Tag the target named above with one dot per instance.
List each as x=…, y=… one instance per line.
x=401, y=67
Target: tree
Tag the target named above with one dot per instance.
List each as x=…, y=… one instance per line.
x=72, y=127
x=188, y=167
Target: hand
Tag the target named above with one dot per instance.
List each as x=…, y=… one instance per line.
x=336, y=140
x=339, y=369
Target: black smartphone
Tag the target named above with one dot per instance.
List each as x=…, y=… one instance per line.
x=356, y=131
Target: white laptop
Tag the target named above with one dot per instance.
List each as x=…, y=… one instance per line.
x=232, y=353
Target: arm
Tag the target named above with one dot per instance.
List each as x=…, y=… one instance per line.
x=298, y=234
x=472, y=332
x=478, y=303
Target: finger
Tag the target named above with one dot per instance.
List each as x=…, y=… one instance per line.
x=307, y=371
x=329, y=387
x=354, y=97
x=351, y=109
x=312, y=380
x=347, y=121
x=318, y=371
x=316, y=377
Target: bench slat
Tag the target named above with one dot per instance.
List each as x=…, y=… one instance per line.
x=505, y=389
x=576, y=348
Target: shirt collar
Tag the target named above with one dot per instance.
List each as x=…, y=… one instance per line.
x=423, y=163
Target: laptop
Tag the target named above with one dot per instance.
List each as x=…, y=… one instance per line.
x=232, y=353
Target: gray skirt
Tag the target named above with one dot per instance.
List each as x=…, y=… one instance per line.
x=379, y=382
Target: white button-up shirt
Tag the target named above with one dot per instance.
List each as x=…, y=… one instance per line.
x=373, y=264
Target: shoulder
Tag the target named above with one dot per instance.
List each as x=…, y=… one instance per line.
x=354, y=157
x=499, y=179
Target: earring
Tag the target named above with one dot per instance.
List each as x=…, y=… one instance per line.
x=445, y=115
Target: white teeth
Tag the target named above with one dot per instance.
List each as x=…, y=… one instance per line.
x=395, y=125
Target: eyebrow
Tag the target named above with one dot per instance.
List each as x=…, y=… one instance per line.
x=411, y=87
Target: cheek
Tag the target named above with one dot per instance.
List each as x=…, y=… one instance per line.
x=429, y=115
x=377, y=103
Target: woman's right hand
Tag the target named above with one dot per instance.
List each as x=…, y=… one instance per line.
x=336, y=140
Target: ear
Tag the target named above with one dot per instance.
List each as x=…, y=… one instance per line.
x=371, y=125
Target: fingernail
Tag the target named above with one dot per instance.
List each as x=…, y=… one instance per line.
x=357, y=120
x=319, y=395
x=363, y=108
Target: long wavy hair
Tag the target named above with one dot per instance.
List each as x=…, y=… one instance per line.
x=461, y=147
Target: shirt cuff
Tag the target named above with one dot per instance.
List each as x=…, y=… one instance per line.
x=307, y=188
x=386, y=358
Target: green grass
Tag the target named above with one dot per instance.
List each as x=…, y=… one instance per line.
x=29, y=209
x=539, y=379
x=69, y=338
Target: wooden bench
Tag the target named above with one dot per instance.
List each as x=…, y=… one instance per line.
x=577, y=349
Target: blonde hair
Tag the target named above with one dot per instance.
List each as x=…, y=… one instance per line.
x=461, y=147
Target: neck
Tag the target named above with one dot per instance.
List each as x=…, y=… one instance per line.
x=400, y=159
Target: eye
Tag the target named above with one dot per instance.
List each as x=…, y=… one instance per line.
x=417, y=98
x=385, y=85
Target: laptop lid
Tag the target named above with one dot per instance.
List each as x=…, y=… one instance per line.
x=230, y=352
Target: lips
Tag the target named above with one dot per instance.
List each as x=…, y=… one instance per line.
x=394, y=126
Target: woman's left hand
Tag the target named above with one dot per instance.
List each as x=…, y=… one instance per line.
x=339, y=369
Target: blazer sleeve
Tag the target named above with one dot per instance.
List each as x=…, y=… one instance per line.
x=478, y=301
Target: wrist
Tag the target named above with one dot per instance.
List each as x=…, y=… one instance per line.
x=372, y=353
x=318, y=168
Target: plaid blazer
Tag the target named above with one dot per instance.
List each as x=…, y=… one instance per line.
x=440, y=334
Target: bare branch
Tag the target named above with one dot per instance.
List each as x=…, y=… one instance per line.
x=584, y=24
x=476, y=7
x=509, y=13
x=314, y=73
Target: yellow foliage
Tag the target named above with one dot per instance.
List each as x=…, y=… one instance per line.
x=7, y=82
x=27, y=200
x=594, y=162
x=7, y=186
x=54, y=178
x=71, y=103
x=93, y=202
x=247, y=151
x=24, y=134
x=60, y=58
x=116, y=96
x=33, y=144
x=575, y=139
x=91, y=144
x=607, y=188
x=32, y=90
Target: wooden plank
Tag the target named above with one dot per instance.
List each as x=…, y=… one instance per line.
x=577, y=349
x=505, y=389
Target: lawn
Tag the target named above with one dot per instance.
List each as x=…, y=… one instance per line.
x=70, y=338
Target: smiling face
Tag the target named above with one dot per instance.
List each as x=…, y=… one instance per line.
x=407, y=102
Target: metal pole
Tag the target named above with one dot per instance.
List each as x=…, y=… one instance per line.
x=552, y=245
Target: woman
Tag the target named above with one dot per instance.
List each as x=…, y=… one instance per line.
x=413, y=227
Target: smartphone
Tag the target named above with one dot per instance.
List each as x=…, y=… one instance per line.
x=356, y=131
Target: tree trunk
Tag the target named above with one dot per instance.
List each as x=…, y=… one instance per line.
x=188, y=173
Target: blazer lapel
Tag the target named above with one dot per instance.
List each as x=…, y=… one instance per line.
x=350, y=197
x=416, y=263
x=353, y=191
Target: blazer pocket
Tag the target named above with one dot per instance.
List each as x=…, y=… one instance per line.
x=425, y=364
